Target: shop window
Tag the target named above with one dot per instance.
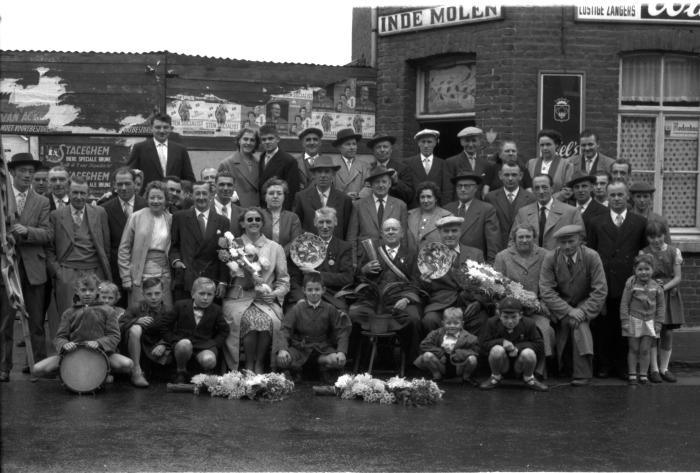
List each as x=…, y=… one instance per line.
x=659, y=125
x=446, y=89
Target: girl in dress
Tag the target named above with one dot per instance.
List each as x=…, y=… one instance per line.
x=642, y=310
x=667, y=272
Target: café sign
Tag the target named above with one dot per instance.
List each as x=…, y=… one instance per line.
x=640, y=12
x=436, y=17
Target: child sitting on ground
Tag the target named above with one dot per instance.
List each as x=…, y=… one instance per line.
x=140, y=329
x=109, y=295
x=89, y=322
x=314, y=330
x=449, y=350
x=195, y=328
x=513, y=345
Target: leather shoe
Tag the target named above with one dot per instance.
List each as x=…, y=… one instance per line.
x=490, y=383
x=655, y=377
x=535, y=385
x=580, y=382
x=668, y=377
x=138, y=380
x=4, y=377
x=26, y=370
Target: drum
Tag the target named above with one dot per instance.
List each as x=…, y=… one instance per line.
x=84, y=370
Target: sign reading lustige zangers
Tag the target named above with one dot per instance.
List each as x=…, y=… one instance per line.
x=688, y=12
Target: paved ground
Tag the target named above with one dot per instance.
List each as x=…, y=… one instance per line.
x=608, y=426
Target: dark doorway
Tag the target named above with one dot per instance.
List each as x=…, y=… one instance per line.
x=449, y=144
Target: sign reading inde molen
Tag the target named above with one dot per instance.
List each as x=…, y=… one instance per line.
x=436, y=17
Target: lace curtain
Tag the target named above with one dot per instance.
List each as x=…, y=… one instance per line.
x=641, y=79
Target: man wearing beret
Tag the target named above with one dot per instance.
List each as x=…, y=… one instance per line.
x=582, y=185
x=311, y=142
x=590, y=159
x=352, y=172
x=446, y=291
x=402, y=184
x=427, y=167
x=30, y=231
x=573, y=286
x=469, y=160
x=480, y=228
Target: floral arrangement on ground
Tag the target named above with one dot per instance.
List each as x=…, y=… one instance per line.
x=244, y=384
x=397, y=390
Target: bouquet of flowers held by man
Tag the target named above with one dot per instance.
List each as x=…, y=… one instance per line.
x=244, y=262
x=244, y=385
x=397, y=390
x=483, y=278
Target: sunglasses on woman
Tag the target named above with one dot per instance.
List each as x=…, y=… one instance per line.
x=253, y=219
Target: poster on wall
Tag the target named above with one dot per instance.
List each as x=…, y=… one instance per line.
x=561, y=107
x=94, y=158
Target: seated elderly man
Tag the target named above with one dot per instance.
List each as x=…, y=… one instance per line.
x=393, y=262
x=336, y=269
x=446, y=292
x=573, y=286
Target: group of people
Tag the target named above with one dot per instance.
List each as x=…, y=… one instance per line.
x=575, y=232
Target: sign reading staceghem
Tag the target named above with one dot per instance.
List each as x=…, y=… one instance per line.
x=682, y=12
x=436, y=17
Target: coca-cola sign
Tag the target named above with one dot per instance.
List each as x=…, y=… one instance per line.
x=640, y=12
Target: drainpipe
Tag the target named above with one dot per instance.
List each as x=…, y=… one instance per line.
x=373, y=38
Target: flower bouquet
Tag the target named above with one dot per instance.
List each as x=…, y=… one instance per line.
x=244, y=384
x=417, y=392
x=243, y=261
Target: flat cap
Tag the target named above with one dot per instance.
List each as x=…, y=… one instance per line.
x=428, y=132
x=470, y=131
x=463, y=175
x=510, y=304
x=580, y=176
x=307, y=131
x=449, y=220
x=641, y=188
x=567, y=230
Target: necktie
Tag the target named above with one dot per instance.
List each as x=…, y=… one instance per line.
x=580, y=208
x=311, y=160
x=380, y=213
x=472, y=163
x=268, y=157
x=21, y=200
x=77, y=217
x=543, y=221
x=462, y=212
x=202, y=223
x=619, y=220
x=163, y=155
x=510, y=197
x=198, y=314
x=426, y=165
x=589, y=165
x=569, y=262
x=324, y=199
x=127, y=209
x=224, y=211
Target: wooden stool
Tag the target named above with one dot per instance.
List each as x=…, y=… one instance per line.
x=391, y=339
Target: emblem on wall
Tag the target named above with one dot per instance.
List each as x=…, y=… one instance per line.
x=562, y=109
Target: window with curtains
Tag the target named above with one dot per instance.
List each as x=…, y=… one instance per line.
x=660, y=79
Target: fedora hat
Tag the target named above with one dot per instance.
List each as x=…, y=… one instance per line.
x=580, y=176
x=378, y=171
x=380, y=137
x=345, y=134
x=324, y=162
x=315, y=131
x=467, y=175
x=22, y=159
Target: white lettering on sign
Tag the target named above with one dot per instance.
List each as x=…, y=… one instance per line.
x=640, y=12
x=436, y=17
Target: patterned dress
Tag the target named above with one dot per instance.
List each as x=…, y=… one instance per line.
x=664, y=261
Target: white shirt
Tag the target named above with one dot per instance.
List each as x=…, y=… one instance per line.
x=348, y=162
x=161, y=234
x=60, y=202
x=376, y=201
x=162, y=149
x=310, y=159
x=427, y=162
x=391, y=251
x=268, y=157
x=205, y=214
x=323, y=195
x=589, y=162
x=512, y=195
x=547, y=206
x=198, y=314
x=130, y=202
x=582, y=207
x=19, y=193
x=222, y=209
x=314, y=306
x=546, y=165
x=464, y=205
x=613, y=215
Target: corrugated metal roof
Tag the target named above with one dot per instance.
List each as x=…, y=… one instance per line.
x=176, y=54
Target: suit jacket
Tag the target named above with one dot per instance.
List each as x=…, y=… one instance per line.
x=594, y=211
x=117, y=221
x=560, y=215
x=405, y=187
x=198, y=252
x=283, y=166
x=363, y=219
x=480, y=228
x=561, y=171
x=179, y=323
x=336, y=271
x=30, y=247
x=134, y=244
x=506, y=211
x=144, y=156
x=236, y=211
x=290, y=227
x=353, y=179
x=617, y=248
x=424, y=232
x=61, y=222
x=439, y=174
x=406, y=260
x=307, y=202
x=245, y=179
x=602, y=163
x=446, y=291
x=52, y=204
x=306, y=179
x=459, y=163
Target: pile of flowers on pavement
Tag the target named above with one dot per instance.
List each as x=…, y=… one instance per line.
x=397, y=390
x=244, y=384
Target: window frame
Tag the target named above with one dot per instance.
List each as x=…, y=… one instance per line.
x=422, y=70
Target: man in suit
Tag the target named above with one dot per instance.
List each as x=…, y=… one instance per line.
x=40, y=181
x=425, y=166
x=80, y=243
x=617, y=238
x=223, y=204
x=446, y=291
x=195, y=235
x=58, y=187
x=469, y=160
x=159, y=157
x=30, y=232
x=118, y=212
x=352, y=173
x=508, y=199
x=402, y=183
x=582, y=185
x=369, y=213
x=311, y=142
x=480, y=227
x=590, y=159
x=547, y=215
x=573, y=287
x=276, y=163
x=321, y=193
